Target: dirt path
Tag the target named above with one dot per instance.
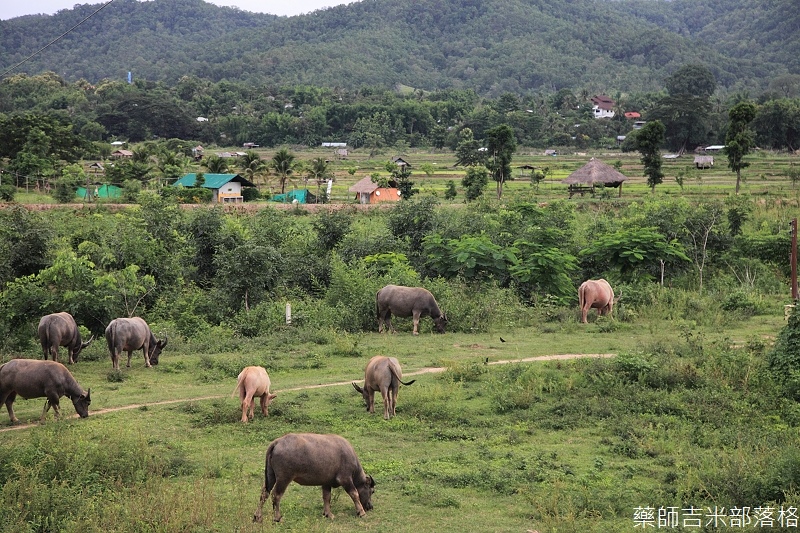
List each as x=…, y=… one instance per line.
x=429, y=370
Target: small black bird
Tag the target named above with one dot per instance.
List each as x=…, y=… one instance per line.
x=502, y=339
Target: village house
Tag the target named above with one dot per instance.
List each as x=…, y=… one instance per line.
x=603, y=106
x=369, y=192
x=227, y=188
x=121, y=154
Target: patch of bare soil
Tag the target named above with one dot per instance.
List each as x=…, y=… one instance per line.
x=429, y=370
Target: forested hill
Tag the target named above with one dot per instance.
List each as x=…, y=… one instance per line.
x=491, y=46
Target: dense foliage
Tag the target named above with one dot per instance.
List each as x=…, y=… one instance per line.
x=202, y=268
x=492, y=47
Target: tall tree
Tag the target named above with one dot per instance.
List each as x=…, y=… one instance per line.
x=685, y=112
x=474, y=181
x=253, y=166
x=501, y=143
x=740, y=138
x=648, y=142
x=319, y=170
x=468, y=151
x=283, y=165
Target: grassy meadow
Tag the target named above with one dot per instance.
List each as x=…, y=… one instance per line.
x=679, y=417
x=687, y=412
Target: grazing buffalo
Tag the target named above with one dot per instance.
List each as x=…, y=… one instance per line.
x=129, y=334
x=253, y=382
x=36, y=379
x=314, y=460
x=598, y=294
x=383, y=374
x=60, y=329
x=415, y=302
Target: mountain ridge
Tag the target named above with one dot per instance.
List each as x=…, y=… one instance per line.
x=491, y=46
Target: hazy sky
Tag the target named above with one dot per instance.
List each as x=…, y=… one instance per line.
x=17, y=8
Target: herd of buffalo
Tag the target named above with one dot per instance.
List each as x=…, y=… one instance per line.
x=328, y=461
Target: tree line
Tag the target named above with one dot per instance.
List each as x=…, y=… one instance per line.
x=50, y=123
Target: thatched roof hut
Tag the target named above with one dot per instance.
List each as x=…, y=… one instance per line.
x=595, y=171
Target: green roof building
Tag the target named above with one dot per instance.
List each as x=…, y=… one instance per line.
x=227, y=188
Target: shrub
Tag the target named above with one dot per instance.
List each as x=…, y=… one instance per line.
x=7, y=193
x=784, y=360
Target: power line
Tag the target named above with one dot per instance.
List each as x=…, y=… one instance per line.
x=54, y=41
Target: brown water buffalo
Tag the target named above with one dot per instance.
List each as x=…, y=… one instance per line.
x=36, y=379
x=60, y=329
x=129, y=334
x=598, y=294
x=383, y=374
x=401, y=301
x=314, y=460
x=253, y=382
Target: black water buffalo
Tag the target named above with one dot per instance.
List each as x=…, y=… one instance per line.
x=317, y=460
x=36, y=379
x=598, y=294
x=383, y=374
x=60, y=329
x=129, y=334
x=401, y=301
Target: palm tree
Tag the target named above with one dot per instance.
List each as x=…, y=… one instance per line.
x=215, y=164
x=171, y=165
x=283, y=165
x=319, y=170
x=253, y=166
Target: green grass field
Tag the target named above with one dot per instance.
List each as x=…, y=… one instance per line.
x=568, y=445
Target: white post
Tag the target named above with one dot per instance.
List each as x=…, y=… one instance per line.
x=288, y=314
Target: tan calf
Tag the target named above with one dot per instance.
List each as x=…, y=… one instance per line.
x=253, y=382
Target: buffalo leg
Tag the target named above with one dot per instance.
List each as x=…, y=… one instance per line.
x=326, y=502
x=56, y=408
x=416, y=322
x=393, y=398
x=371, y=400
x=130, y=355
x=9, y=401
x=353, y=492
x=277, y=494
x=387, y=408
x=264, y=405
x=247, y=408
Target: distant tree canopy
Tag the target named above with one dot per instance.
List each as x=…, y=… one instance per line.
x=627, y=46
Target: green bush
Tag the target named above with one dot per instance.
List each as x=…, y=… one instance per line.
x=784, y=359
x=7, y=193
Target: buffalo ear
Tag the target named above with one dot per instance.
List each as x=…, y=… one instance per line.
x=371, y=482
x=358, y=389
x=88, y=395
